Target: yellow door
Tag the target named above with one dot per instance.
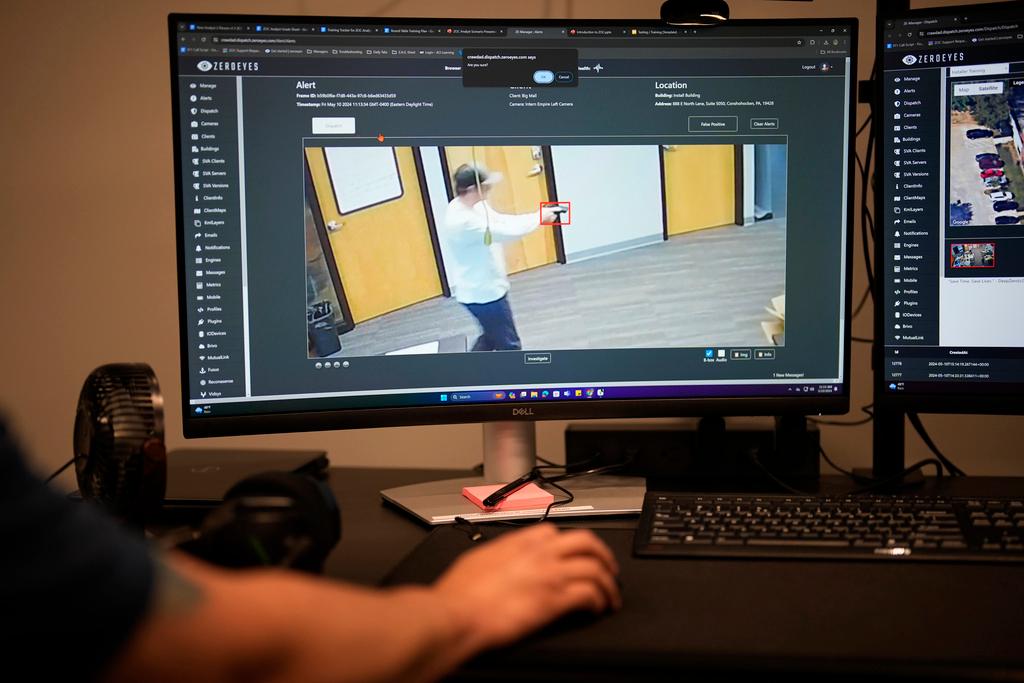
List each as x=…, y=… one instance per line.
x=523, y=189
x=383, y=251
x=700, y=190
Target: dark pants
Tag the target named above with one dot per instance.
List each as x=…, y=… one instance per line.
x=499, y=330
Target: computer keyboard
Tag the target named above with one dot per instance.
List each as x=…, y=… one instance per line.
x=862, y=527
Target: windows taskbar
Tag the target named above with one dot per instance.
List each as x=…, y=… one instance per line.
x=259, y=405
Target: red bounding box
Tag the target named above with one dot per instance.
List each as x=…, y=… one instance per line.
x=565, y=212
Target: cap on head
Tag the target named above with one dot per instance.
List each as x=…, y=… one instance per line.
x=467, y=176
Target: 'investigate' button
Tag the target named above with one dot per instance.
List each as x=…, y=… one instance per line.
x=533, y=358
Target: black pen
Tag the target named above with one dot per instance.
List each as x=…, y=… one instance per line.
x=508, y=489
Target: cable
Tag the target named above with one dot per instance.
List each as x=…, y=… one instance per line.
x=555, y=503
x=915, y=420
x=757, y=461
x=62, y=468
x=882, y=483
x=867, y=410
x=864, y=125
x=871, y=485
x=865, y=217
x=540, y=478
x=852, y=475
x=863, y=300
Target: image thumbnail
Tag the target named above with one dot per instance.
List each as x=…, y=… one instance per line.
x=414, y=250
x=985, y=152
x=972, y=255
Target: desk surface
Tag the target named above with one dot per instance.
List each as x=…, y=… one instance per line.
x=725, y=617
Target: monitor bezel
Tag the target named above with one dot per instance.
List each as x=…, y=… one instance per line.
x=327, y=419
x=972, y=399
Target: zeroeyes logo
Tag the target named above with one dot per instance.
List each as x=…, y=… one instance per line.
x=933, y=58
x=207, y=65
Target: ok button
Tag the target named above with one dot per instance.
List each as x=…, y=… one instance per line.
x=543, y=77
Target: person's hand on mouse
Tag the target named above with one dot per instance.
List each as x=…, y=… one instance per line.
x=523, y=580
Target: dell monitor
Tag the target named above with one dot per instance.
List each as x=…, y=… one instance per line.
x=411, y=221
x=950, y=237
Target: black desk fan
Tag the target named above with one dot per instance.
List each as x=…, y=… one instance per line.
x=279, y=519
x=120, y=458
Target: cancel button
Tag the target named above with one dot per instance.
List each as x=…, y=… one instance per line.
x=764, y=124
x=535, y=357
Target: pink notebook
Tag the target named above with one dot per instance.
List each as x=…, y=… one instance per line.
x=527, y=498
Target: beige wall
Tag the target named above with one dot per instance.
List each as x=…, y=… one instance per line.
x=88, y=263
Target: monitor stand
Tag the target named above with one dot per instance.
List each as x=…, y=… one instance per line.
x=510, y=450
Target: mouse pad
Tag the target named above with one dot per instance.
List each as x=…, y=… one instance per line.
x=437, y=551
x=761, y=615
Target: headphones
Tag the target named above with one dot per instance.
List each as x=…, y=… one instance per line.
x=280, y=519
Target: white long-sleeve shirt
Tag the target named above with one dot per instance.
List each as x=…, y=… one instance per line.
x=476, y=270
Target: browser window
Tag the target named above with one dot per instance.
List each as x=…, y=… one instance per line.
x=953, y=268
x=389, y=214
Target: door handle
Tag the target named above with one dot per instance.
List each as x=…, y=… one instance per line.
x=334, y=226
x=535, y=171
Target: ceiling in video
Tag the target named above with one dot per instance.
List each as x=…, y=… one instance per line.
x=418, y=250
x=985, y=152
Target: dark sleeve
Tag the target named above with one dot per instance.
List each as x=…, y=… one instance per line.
x=73, y=582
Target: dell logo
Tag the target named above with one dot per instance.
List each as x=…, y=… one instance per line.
x=520, y=412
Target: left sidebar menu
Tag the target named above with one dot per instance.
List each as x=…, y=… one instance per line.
x=213, y=241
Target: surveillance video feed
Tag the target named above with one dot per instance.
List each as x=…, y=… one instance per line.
x=418, y=250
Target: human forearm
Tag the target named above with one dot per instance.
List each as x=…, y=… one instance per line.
x=274, y=627
x=509, y=227
x=207, y=625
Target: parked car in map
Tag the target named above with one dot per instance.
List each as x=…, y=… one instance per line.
x=975, y=133
x=996, y=181
x=990, y=172
x=991, y=163
x=1001, y=196
x=1005, y=206
x=986, y=155
x=1007, y=220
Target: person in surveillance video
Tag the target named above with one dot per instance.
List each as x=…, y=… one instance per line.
x=474, y=233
